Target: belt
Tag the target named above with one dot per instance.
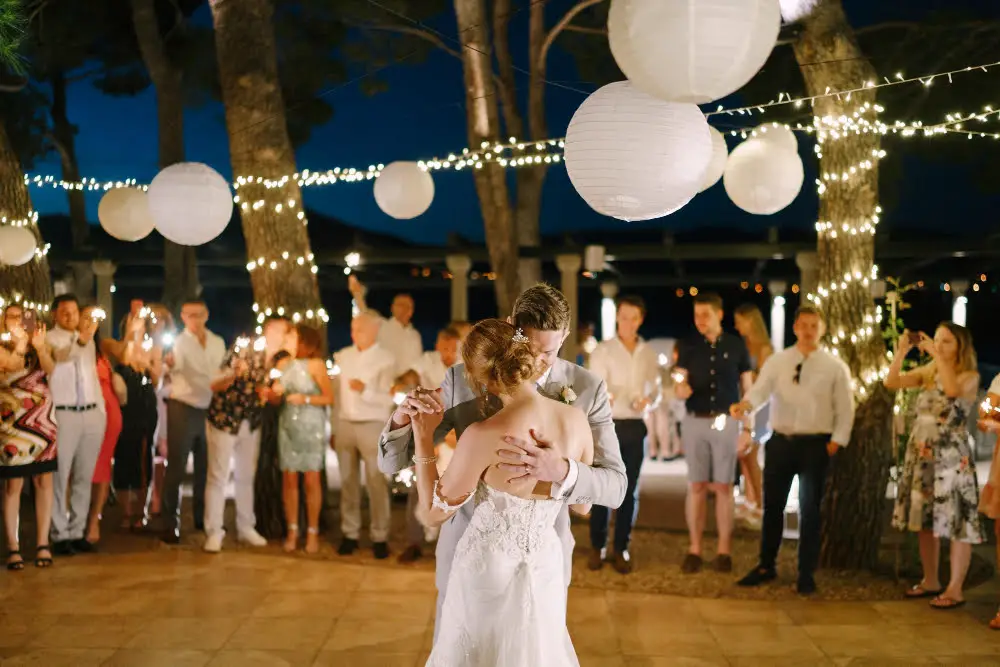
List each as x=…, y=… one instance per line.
x=803, y=436
x=77, y=408
x=707, y=415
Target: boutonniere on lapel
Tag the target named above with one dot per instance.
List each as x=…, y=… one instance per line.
x=567, y=395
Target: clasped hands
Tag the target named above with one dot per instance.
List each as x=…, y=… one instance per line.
x=531, y=458
x=743, y=409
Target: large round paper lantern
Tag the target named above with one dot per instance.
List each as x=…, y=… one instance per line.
x=190, y=203
x=779, y=135
x=635, y=157
x=404, y=190
x=17, y=245
x=124, y=214
x=762, y=178
x=692, y=51
x=717, y=164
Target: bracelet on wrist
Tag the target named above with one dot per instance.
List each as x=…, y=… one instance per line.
x=424, y=459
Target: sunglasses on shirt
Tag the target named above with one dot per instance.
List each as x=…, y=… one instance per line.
x=798, y=373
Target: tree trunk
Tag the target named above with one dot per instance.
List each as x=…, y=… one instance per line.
x=65, y=139
x=483, y=118
x=180, y=263
x=853, y=509
x=30, y=282
x=259, y=146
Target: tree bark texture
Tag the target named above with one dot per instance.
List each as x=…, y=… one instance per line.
x=259, y=146
x=64, y=135
x=32, y=280
x=180, y=263
x=483, y=118
x=853, y=510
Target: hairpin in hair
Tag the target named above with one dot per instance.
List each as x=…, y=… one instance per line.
x=519, y=336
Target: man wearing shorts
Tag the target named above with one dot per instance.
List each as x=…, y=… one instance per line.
x=713, y=370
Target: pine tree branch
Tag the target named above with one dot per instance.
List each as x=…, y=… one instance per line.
x=585, y=30
x=563, y=22
x=425, y=35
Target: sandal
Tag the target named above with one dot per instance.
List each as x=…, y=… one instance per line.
x=312, y=540
x=43, y=561
x=918, y=591
x=946, y=604
x=15, y=565
x=291, y=538
x=995, y=622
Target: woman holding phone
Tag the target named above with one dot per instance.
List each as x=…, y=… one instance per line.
x=938, y=495
x=27, y=429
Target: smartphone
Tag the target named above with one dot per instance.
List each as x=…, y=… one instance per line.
x=29, y=321
x=914, y=338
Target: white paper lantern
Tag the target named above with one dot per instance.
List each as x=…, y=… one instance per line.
x=779, y=135
x=692, y=51
x=404, y=190
x=17, y=245
x=717, y=165
x=124, y=214
x=190, y=203
x=762, y=178
x=635, y=157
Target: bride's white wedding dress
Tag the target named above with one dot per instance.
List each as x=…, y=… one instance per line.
x=506, y=599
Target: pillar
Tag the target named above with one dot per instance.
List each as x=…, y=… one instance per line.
x=960, y=302
x=459, y=266
x=808, y=263
x=777, y=290
x=104, y=276
x=608, y=310
x=569, y=272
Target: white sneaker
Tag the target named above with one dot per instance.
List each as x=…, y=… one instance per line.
x=213, y=543
x=253, y=538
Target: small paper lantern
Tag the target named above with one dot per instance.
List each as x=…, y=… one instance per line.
x=17, y=245
x=718, y=163
x=635, y=157
x=124, y=214
x=779, y=135
x=692, y=51
x=762, y=178
x=404, y=190
x=190, y=203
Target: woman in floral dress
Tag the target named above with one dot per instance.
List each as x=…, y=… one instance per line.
x=938, y=495
x=27, y=431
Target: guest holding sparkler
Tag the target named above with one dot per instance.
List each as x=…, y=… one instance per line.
x=938, y=494
x=304, y=387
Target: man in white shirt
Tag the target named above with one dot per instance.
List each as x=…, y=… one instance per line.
x=366, y=376
x=429, y=372
x=396, y=335
x=812, y=412
x=76, y=392
x=630, y=370
x=194, y=362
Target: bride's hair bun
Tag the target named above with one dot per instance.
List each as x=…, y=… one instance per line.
x=494, y=359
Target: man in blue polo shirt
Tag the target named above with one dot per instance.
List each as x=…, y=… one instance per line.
x=713, y=369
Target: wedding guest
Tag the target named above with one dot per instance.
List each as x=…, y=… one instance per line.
x=113, y=392
x=307, y=393
x=812, y=413
x=749, y=322
x=366, y=374
x=163, y=334
x=396, y=334
x=629, y=368
x=713, y=367
x=663, y=422
x=938, y=494
x=76, y=391
x=27, y=430
x=989, y=501
x=193, y=361
x=429, y=370
x=233, y=431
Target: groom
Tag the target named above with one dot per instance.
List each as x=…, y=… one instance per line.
x=543, y=314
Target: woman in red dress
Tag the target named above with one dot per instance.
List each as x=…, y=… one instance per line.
x=102, y=472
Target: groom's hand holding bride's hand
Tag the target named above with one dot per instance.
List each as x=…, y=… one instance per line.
x=536, y=460
x=417, y=402
x=426, y=420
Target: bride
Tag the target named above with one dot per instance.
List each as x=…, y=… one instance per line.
x=506, y=599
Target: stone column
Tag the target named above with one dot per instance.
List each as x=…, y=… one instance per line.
x=569, y=272
x=808, y=263
x=104, y=275
x=608, y=310
x=459, y=266
x=777, y=290
x=960, y=302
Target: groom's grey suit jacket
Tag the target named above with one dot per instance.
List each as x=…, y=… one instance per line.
x=602, y=484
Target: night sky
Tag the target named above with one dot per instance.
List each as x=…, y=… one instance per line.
x=422, y=115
